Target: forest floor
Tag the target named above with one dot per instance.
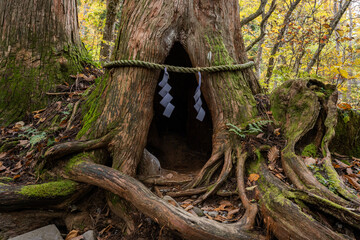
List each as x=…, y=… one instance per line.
x=22, y=144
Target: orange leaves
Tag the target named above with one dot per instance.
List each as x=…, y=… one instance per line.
x=254, y=177
x=344, y=106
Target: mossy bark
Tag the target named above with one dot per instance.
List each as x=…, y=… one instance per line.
x=126, y=100
x=40, y=47
x=347, y=133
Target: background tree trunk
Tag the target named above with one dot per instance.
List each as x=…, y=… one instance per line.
x=39, y=47
x=112, y=9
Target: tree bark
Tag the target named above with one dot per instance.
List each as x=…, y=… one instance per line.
x=40, y=47
x=112, y=9
x=190, y=27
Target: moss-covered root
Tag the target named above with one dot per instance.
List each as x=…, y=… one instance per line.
x=296, y=107
x=283, y=217
x=56, y=194
x=330, y=124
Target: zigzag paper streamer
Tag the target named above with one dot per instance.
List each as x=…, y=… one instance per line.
x=164, y=92
x=198, y=103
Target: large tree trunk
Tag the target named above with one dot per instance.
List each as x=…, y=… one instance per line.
x=228, y=95
x=148, y=34
x=39, y=47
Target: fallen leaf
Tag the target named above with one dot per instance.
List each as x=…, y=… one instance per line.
x=336, y=166
x=353, y=182
x=23, y=142
x=280, y=176
x=309, y=161
x=2, y=167
x=226, y=202
x=72, y=234
x=220, y=218
x=254, y=177
x=19, y=124
x=273, y=154
x=277, y=131
x=189, y=207
x=222, y=207
x=251, y=188
x=16, y=176
x=2, y=155
x=18, y=165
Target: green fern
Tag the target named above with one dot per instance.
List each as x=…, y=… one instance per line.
x=256, y=127
x=236, y=130
x=252, y=128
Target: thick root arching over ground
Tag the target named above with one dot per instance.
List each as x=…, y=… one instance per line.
x=286, y=205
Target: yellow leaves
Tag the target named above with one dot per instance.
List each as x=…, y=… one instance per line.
x=340, y=32
x=343, y=73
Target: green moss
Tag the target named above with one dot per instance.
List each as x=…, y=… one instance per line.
x=76, y=160
x=24, y=80
x=6, y=179
x=347, y=134
x=234, y=88
x=93, y=107
x=8, y=145
x=49, y=190
x=309, y=151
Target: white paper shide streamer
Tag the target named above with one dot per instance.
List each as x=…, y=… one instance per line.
x=164, y=92
x=198, y=103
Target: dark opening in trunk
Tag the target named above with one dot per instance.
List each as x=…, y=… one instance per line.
x=181, y=142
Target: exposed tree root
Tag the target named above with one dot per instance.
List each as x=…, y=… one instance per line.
x=218, y=151
x=64, y=149
x=251, y=208
x=283, y=217
x=330, y=124
x=54, y=194
x=297, y=108
x=227, y=166
x=343, y=214
x=187, y=192
x=148, y=203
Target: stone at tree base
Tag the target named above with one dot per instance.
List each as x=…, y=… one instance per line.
x=89, y=235
x=49, y=232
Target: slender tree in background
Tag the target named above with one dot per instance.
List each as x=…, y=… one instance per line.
x=112, y=9
x=39, y=47
x=123, y=116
